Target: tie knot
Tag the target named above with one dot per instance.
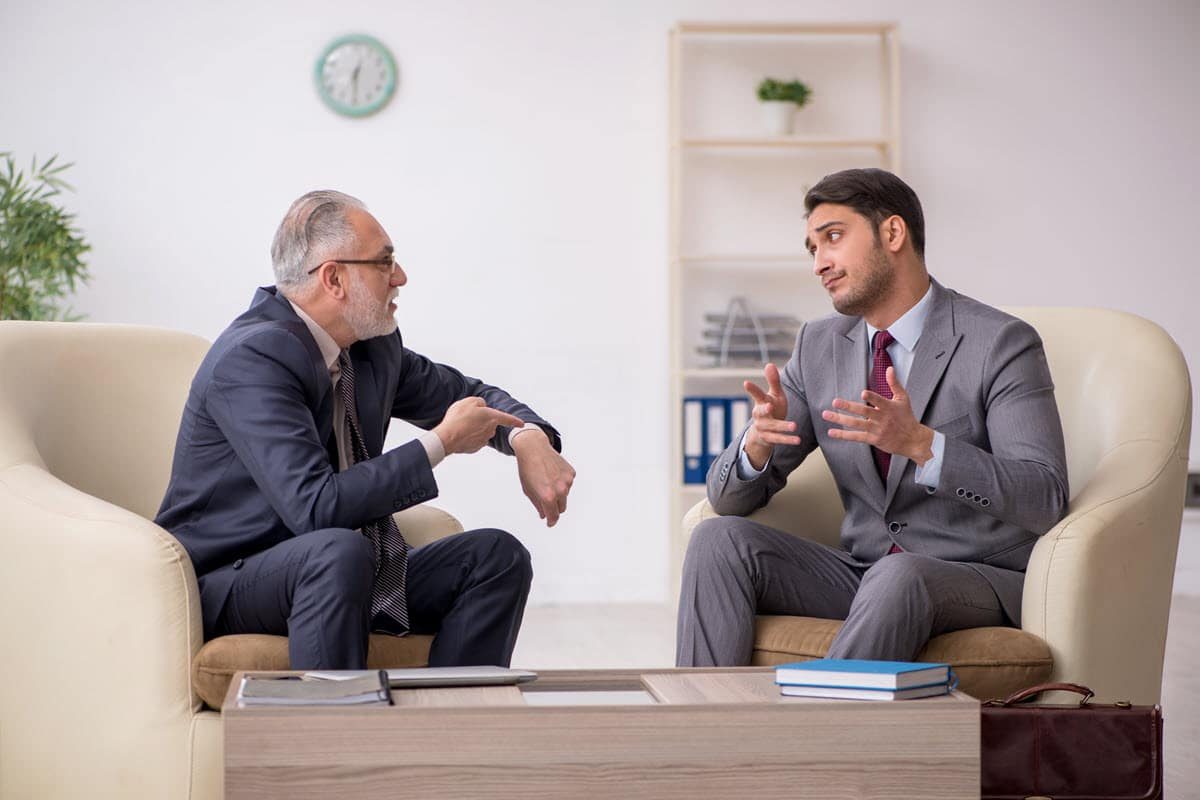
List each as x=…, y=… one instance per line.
x=882, y=340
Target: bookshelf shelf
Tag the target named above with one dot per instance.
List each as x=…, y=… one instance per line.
x=782, y=143
x=747, y=258
x=722, y=373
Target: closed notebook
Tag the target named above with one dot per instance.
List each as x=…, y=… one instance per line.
x=858, y=673
x=838, y=693
x=261, y=690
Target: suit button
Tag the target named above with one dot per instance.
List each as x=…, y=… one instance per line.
x=970, y=495
x=895, y=527
x=961, y=492
x=985, y=502
x=238, y=564
x=930, y=490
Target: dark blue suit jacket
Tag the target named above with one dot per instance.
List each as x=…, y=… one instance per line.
x=252, y=461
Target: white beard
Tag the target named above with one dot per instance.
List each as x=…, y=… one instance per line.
x=366, y=318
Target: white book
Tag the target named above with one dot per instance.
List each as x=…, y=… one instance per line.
x=837, y=693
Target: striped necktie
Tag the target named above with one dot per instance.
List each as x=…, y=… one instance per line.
x=389, y=603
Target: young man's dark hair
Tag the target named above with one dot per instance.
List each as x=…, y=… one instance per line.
x=875, y=194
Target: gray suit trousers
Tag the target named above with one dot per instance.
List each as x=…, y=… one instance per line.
x=736, y=569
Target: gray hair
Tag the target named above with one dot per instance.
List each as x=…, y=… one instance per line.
x=311, y=229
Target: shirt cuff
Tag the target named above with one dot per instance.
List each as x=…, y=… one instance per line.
x=434, y=449
x=515, y=432
x=930, y=474
x=746, y=470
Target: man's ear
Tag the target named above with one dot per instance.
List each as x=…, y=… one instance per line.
x=332, y=280
x=893, y=233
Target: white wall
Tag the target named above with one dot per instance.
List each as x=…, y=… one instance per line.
x=521, y=171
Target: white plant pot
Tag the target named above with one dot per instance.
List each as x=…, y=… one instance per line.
x=778, y=116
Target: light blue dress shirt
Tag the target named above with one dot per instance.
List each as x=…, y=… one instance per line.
x=907, y=332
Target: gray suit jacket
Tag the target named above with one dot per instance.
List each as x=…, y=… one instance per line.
x=979, y=376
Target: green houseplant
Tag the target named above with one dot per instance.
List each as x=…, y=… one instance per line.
x=41, y=250
x=780, y=100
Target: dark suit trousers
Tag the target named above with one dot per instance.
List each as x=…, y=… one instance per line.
x=735, y=569
x=469, y=590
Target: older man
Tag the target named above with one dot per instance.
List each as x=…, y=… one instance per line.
x=280, y=491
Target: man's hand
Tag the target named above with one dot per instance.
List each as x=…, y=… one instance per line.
x=886, y=424
x=469, y=424
x=769, y=425
x=546, y=477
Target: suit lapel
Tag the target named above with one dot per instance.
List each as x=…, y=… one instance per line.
x=934, y=350
x=850, y=366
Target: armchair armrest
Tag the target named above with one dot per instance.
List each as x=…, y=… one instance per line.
x=809, y=506
x=1115, y=536
x=424, y=523
x=101, y=620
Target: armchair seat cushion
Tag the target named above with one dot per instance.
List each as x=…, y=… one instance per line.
x=218, y=659
x=989, y=662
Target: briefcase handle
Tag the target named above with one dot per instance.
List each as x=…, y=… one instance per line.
x=1025, y=694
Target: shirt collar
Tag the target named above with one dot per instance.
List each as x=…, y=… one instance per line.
x=907, y=330
x=329, y=349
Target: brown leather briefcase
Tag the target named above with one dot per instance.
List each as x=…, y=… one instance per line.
x=1088, y=751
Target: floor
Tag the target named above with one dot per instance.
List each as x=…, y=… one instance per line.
x=605, y=636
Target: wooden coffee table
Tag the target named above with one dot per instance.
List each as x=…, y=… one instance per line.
x=592, y=735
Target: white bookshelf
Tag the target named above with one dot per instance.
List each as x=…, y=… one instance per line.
x=737, y=194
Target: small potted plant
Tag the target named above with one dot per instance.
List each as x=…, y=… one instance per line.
x=780, y=100
x=41, y=250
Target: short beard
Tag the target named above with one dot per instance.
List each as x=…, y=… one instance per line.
x=877, y=281
x=364, y=315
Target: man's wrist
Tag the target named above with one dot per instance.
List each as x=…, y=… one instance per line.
x=435, y=448
x=522, y=435
x=757, y=454
x=922, y=449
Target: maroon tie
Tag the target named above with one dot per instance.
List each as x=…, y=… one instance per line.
x=877, y=383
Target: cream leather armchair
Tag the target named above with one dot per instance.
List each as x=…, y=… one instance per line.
x=1098, y=585
x=101, y=691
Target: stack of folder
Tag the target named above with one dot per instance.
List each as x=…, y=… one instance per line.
x=860, y=679
x=710, y=424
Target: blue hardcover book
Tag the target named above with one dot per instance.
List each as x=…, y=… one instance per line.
x=855, y=673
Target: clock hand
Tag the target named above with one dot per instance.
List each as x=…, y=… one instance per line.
x=354, y=81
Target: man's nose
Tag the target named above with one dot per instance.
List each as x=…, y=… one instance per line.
x=820, y=263
x=399, y=278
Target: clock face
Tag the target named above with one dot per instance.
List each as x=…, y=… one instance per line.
x=356, y=75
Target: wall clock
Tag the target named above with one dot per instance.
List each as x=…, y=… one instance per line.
x=356, y=75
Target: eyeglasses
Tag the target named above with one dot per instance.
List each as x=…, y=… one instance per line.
x=386, y=264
